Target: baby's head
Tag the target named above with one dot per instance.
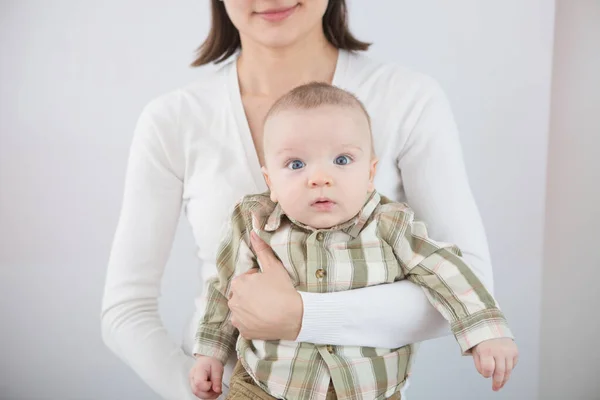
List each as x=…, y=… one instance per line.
x=319, y=157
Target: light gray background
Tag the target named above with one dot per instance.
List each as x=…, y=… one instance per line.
x=570, y=354
x=74, y=76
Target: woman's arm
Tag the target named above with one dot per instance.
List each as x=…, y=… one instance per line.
x=389, y=316
x=436, y=186
x=131, y=325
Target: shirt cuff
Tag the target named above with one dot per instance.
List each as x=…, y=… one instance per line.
x=483, y=325
x=322, y=320
x=214, y=343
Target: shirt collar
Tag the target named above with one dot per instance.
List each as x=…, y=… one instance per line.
x=351, y=227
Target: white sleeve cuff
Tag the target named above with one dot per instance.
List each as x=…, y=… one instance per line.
x=323, y=319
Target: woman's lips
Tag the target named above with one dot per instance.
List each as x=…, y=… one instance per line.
x=276, y=15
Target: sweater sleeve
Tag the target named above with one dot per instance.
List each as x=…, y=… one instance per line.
x=436, y=183
x=131, y=325
x=436, y=187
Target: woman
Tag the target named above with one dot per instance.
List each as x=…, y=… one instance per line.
x=200, y=147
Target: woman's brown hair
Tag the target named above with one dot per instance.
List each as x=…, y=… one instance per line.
x=224, y=39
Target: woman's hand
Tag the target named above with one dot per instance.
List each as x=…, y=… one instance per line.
x=265, y=305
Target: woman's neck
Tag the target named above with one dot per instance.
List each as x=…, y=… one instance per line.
x=271, y=72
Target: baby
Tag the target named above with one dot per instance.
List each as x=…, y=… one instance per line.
x=333, y=231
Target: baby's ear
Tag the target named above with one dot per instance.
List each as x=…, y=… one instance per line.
x=273, y=197
x=265, y=173
x=372, y=172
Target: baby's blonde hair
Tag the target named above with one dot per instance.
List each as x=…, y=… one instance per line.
x=317, y=94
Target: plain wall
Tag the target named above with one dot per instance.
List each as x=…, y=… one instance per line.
x=74, y=77
x=569, y=350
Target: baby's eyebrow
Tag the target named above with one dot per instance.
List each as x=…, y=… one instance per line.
x=286, y=150
x=352, y=146
x=346, y=146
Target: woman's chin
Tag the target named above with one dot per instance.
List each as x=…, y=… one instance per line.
x=276, y=38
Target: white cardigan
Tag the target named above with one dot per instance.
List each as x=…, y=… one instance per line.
x=193, y=148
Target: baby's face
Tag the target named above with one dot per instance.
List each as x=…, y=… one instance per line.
x=319, y=164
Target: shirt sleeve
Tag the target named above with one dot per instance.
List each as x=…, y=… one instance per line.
x=216, y=337
x=449, y=283
x=151, y=205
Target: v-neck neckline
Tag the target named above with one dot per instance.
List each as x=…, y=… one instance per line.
x=243, y=128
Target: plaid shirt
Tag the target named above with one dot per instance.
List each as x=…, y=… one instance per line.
x=382, y=244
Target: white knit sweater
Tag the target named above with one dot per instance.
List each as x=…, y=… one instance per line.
x=193, y=148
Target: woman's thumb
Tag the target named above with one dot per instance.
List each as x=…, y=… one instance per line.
x=263, y=252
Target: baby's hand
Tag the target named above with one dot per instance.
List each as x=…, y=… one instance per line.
x=205, y=377
x=496, y=357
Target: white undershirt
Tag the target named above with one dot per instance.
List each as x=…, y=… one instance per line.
x=193, y=148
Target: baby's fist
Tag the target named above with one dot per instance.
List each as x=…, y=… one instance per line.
x=206, y=377
x=497, y=358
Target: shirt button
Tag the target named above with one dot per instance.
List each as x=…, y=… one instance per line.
x=320, y=236
x=330, y=349
x=320, y=273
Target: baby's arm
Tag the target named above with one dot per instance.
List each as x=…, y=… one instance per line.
x=455, y=292
x=216, y=337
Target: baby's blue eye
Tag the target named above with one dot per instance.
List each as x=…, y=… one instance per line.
x=342, y=160
x=295, y=164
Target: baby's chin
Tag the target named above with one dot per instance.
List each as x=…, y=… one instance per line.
x=326, y=221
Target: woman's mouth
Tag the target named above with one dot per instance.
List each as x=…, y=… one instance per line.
x=277, y=14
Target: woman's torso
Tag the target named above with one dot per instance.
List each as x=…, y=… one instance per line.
x=215, y=146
